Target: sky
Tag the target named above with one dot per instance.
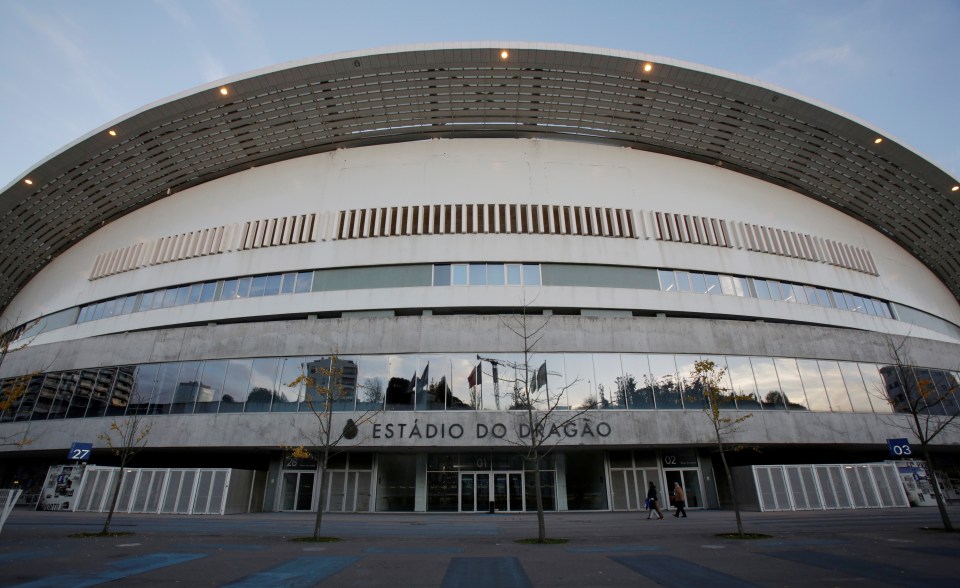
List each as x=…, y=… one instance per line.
x=68, y=67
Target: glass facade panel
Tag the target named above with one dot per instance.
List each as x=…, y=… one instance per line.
x=667, y=388
x=762, y=289
x=609, y=374
x=210, y=388
x=636, y=383
x=813, y=387
x=727, y=395
x=289, y=394
x=166, y=386
x=459, y=275
x=692, y=390
x=465, y=393
x=698, y=284
x=145, y=381
x=875, y=387
x=495, y=276
x=372, y=378
x=304, y=282
x=236, y=385
x=668, y=282
x=263, y=385
x=713, y=284
x=743, y=384
x=441, y=274
x=859, y=396
x=478, y=274
x=790, y=383
x=531, y=274
x=403, y=372
x=683, y=281
x=836, y=390
x=514, y=274
x=580, y=381
x=767, y=383
x=288, y=283
x=272, y=288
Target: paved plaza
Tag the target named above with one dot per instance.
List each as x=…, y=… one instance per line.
x=836, y=548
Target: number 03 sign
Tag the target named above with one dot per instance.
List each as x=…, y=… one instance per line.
x=899, y=447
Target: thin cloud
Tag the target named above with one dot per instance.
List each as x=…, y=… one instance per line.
x=244, y=22
x=210, y=67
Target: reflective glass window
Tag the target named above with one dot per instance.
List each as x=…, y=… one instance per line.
x=713, y=284
x=187, y=389
x=236, y=385
x=208, y=292
x=580, y=386
x=668, y=281
x=166, y=385
x=372, y=381
x=767, y=383
x=790, y=383
x=210, y=389
x=690, y=384
x=811, y=294
x=229, y=290
x=813, y=387
x=926, y=385
x=145, y=381
x=698, y=283
x=495, y=275
x=100, y=392
x=531, y=274
x=98, y=311
x=257, y=286
x=836, y=390
x=774, y=287
x=823, y=299
x=263, y=384
x=183, y=294
x=727, y=285
x=478, y=274
x=304, y=282
x=762, y=289
x=742, y=287
x=288, y=283
x=441, y=275
x=609, y=374
x=272, y=288
x=726, y=394
x=169, y=298
x=800, y=293
x=514, y=274
x=859, y=396
x=744, y=385
x=430, y=388
x=838, y=300
x=122, y=390
x=683, y=281
x=666, y=385
x=854, y=303
x=459, y=275
x=243, y=287
x=65, y=389
x=636, y=384
x=402, y=371
x=875, y=387
x=196, y=290
x=948, y=387
x=464, y=385
x=81, y=394
x=289, y=390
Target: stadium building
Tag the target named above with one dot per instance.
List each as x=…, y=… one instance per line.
x=399, y=209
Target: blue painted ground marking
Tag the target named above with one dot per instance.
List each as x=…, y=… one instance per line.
x=301, y=572
x=18, y=555
x=222, y=546
x=674, y=572
x=865, y=569
x=125, y=568
x=484, y=572
x=413, y=550
x=621, y=549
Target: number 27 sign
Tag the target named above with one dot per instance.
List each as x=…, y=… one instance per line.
x=80, y=451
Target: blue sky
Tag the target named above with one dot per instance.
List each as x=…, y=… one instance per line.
x=70, y=66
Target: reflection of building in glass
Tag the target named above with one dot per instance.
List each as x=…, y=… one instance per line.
x=632, y=216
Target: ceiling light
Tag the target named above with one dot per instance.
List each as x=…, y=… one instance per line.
x=648, y=67
x=955, y=189
x=28, y=182
x=504, y=54
x=224, y=91
x=878, y=140
x=112, y=133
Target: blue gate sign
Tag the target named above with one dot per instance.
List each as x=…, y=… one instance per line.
x=80, y=451
x=899, y=447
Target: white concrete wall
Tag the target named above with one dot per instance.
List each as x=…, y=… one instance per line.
x=482, y=171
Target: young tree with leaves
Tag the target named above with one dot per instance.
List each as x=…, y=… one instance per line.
x=708, y=379
x=927, y=409
x=125, y=438
x=326, y=390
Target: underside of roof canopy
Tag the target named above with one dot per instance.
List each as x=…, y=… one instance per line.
x=478, y=90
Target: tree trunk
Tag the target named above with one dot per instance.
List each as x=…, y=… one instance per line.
x=941, y=504
x=732, y=485
x=541, y=521
x=113, y=503
x=320, y=476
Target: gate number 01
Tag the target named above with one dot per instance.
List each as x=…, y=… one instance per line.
x=899, y=447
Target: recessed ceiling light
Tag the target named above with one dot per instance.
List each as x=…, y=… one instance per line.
x=224, y=91
x=504, y=54
x=28, y=182
x=955, y=189
x=878, y=140
x=648, y=67
x=112, y=133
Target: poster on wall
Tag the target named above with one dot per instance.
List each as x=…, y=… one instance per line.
x=913, y=475
x=61, y=487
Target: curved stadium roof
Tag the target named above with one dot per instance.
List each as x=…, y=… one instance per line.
x=470, y=90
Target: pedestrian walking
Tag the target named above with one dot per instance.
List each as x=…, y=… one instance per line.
x=654, y=503
x=679, y=500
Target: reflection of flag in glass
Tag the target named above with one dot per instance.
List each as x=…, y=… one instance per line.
x=539, y=379
x=424, y=379
x=476, y=377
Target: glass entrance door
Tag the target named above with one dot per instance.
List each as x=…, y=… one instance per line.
x=479, y=489
x=297, y=491
x=690, y=482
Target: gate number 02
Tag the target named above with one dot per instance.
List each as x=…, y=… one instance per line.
x=899, y=447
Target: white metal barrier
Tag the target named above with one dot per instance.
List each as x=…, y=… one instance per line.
x=835, y=486
x=8, y=498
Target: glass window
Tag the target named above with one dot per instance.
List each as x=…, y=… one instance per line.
x=289, y=394
x=257, y=285
x=838, y=300
x=859, y=396
x=401, y=374
x=478, y=274
x=767, y=383
x=304, y=282
x=813, y=387
x=875, y=387
x=263, y=380
x=823, y=299
x=800, y=293
x=698, y=283
x=122, y=390
x=774, y=287
x=531, y=274
x=668, y=282
x=243, y=288
x=667, y=387
x=166, y=385
x=609, y=374
x=743, y=288
x=811, y=295
x=236, y=385
x=836, y=390
x=713, y=284
x=727, y=396
x=196, y=290
x=761, y=288
x=187, y=390
x=459, y=275
x=208, y=292
x=854, y=303
x=464, y=385
x=789, y=292
x=169, y=298
x=743, y=383
x=146, y=301
x=636, y=384
x=513, y=274
x=790, y=383
x=229, y=290
x=145, y=380
x=580, y=386
x=947, y=386
x=441, y=275
x=924, y=384
x=495, y=274
x=692, y=390
x=98, y=311
x=273, y=285
x=210, y=389
x=727, y=285
x=432, y=388
x=683, y=281
x=183, y=294
x=289, y=281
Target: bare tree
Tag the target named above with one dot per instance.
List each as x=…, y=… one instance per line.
x=708, y=380
x=330, y=384
x=928, y=409
x=14, y=390
x=125, y=438
x=538, y=413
